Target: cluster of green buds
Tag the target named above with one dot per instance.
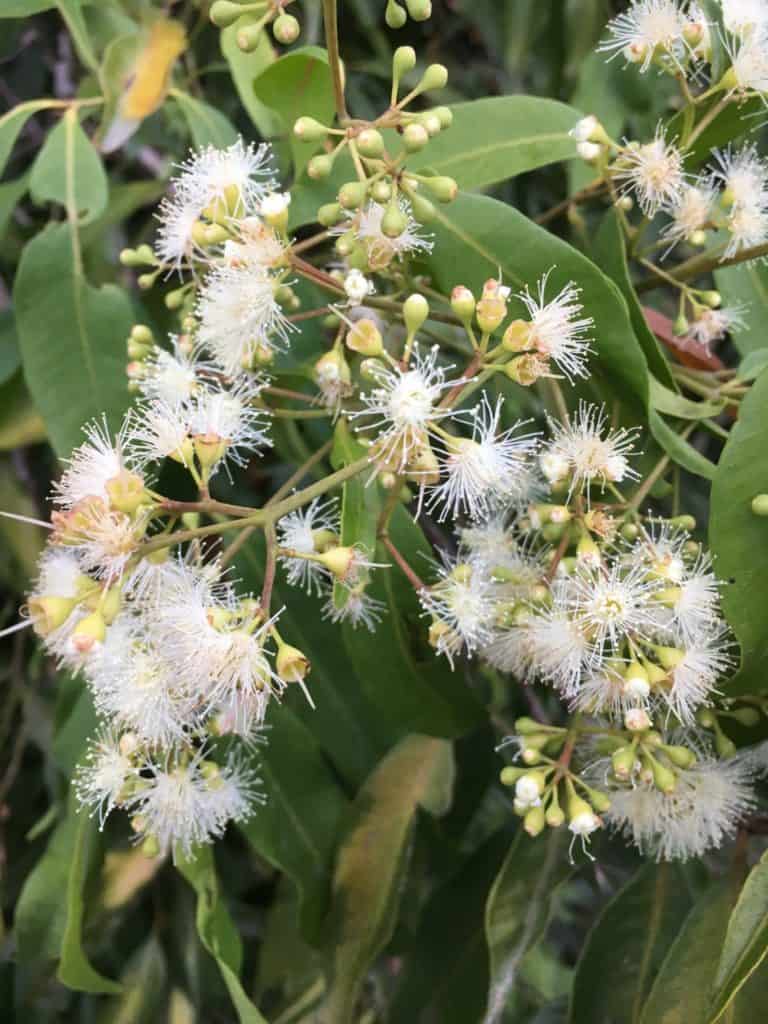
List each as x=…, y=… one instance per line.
x=547, y=792
x=746, y=714
x=641, y=754
x=381, y=176
x=181, y=299
x=250, y=20
x=396, y=14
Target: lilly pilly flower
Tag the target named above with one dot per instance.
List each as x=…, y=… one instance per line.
x=653, y=172
x=586, y=452
x=307, y=531
x=648, y=30
x=557, y=329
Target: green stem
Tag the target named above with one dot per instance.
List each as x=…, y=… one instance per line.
x=330, y=18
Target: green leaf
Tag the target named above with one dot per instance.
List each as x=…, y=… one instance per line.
x=477, y=238
x=23, y=8
x=207, y=126
x=72, y=13
x=610, y=251
x=360, y=502
x=68, y=170
x=518, y=908
x=72, y=338
x=297, y=828
x=12, y=123
x=753, y=364
x=679, y=449
x=75, y=970
x=373, y=858
x=245, y=68
x=680, y=993
x=673, y=404
x=298, y=84
x=10, y=359
x=144, y=981
x=10, y=194
x=739, y=539
x=627, y=945
x=497, y=138
x=217, y=930
x=746, y=941
x=746, y=285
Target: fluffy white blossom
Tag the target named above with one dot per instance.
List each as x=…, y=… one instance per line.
x=229, y=423
x=691, y=212
x=586, y=452
x=100, y=780
x=171, y=377
x=653, y=172
x=693, y=678
x=558, y=329
x=301, y=531
x=609, y=604
x=462, y=605
x=98, y=462
x=381, y=249
x=749, y=64
x=744, y=17
x=647, y=28
x=359, y=609
x=704, y=809
x=713, y=325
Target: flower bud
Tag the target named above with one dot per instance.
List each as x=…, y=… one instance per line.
x=286, y=29
x=395, y=221
x=589, y=152
x=320, y=166
x=636, y=684
x=630, y=531
x=89, y=633
x=381, y=191
x=370, y=143
x=724, y=746
x=403, y=61
x=623, y=763
x=209, y=449
x=669, y=657
x=492, y=307
x=509, y=775
x=534, y=821
x=352, y=194
x=419, y=10
x=292, y=664
x=601, y=802
x=431, y=122
x=664, y=778
x=415, y=137
x=142, y=335
x=444, y=189
x=423, y=210
x=528, y=789
x=680, y=325
x=584, y=129
x=150, y=847
x=713, y=299
x=415, y=312
x=435, y=77
x=582, y=820
x=49, y=613
x=340, y=561
x=760, y=505
x=223, y=13
x=307, y=129
x=395, y=15
x=746, y=716
x=365, y=337
x=681, y=757
x=248, y=36
x=637, y=720
x=463, y=303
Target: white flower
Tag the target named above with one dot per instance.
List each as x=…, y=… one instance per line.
x=604, y=691
x=744, y=175
x=59, y=574
x=585, y=128
x=560, y=648
x=654, y=172
x=749, y=64
x=381, y=248
x=481, y=470
x=178, y=214
x=509, y=648
x=100, y=780
x=161, y=431
x=404, y=404
x=463, y=605
x=744, y=17
x=240, y=318
x=258, y=245
x=242, y=677
x=301, y=531
x=527, y=792
x=747, y=225
x=694, y=677
x=589, y=452
x=357, y=286
x=96, y=463
x=274, y=204
x=230, y=420
x=691, y=212
x=238, y=177
x=700, y=814
x=103, y=539
x=182, y=805
x=649, y=26
x=610, y=603
x=558, y=329
x=713, y=324
x=359, y=609
x=171, y=377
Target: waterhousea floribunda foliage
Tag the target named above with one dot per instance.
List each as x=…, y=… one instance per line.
x=384, y=511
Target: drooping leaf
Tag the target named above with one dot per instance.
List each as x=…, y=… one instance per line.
x=298, y=84
x=477, y=238
x=679, y=449
x=673, y=404
x=372, y=861
x=746, y=941
x=518, y=908
x=627, y=945
x=297, y=828
x=207, y=125
x=72, y=338
x=217, y=930
x=739, y=539
x=68, y=170
x=610, y=252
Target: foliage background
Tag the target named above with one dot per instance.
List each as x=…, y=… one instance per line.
x=387, y=859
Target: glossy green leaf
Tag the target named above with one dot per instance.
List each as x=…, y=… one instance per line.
x=12, y=123
x=75, y=970
x=673, y=404
x=739, y=539
x=72, y=338
x=477, y=238
x=217, y=930
x=753, y=364
x=518, y=908
x=298, y=84
x=746, y=287
x=245, y=68
x=679, y=449
x=207, y=126
x=746, y=941
x=627, y=945
x=497, y=138
x=23, y=8
x=610, y=252
x=372, y=860
x=10, y=194
x=69, y=171
x=296, y=830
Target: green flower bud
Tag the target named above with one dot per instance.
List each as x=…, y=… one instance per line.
x=534, y=821
x=630, y=531
x=307, y=129
x=444, y=116
x=381, y=191
x=370, y=143
x=174, y=299
x=352, y=194
x=509, y=775
x=435, y=77
x=223, y=13
x=664, y=778
x=320, y=166
x=724, y=746
x=415, y=312
x=685, y=522
x=329, y=214
x=394, y=15
x=142, y=335
x=623, y=762
x=395, y=221
x=746, y=716
x=712, y=299
x=760, y=505
x=286, y=29
x=681, y=757
x=403, y=61
x=248, y=37
x=415, y=137
x=419, y=10
x=442, y=188
x=422, y=209
x=463, y=303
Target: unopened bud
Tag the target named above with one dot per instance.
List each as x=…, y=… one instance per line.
x=444, y=189
x=329, y=214
x=419, y=10
x=365, y=337
x=286, y=29
x=589, y=152
x=681, y=757
x=760, y=505
x=88, y=633
x=320, y=166
x=534, y=821
x=403, y=61
x=223, y=13
x=623, y=763
x=463, y=305
x=415, y=312
x=435, y=77
x=395, y=15
x=370, y=143
x=637, y=720
x=415, y=137
x=395, y=221
x=352, y=194
x=307, y=129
